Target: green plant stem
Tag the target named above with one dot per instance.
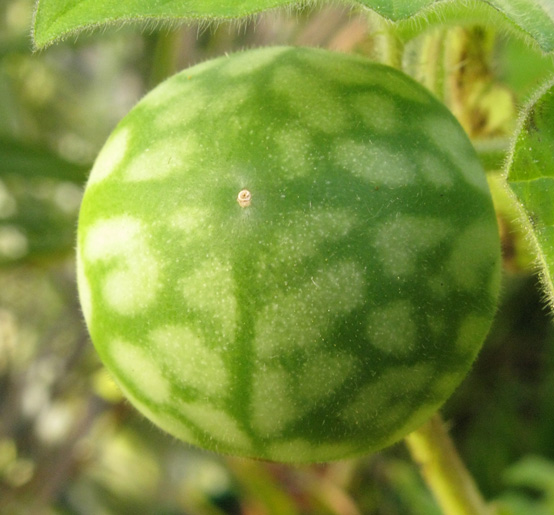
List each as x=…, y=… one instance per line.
x=443, y=470
x=165, y=57
x=389, y=47
x=393, y=47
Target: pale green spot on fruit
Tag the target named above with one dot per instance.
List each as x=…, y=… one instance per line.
x=377, y=163
x=459, y=150
x=192, y=221
x=401, y=240
x=132, y=282
x=306, y=451
x=380, y=402
x=435, y=171
x=298, y=89
x=120, y=290
x=219, y=426
x=158, y=161
x=188, y=359
x=331, y=451
x=323, y=373
x=402, y=88
x=227, y=106
x=111, y=155
x=170, y=424
x=278, y=451
x=179, y=110
x=139, y=374
x=470, y=329
x=210, y=289
x=474, y=174
x=379, y=111
x=241, y=65
x=293, y=146
x=173, y=95
x=108, y=239
x=155, y=412
x=471, y=256
x=175, y=105
x=392, y=329
x=312, y=230
x=273, y=406
x=445, y=382
x=314, y=304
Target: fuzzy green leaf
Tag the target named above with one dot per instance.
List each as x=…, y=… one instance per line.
x=533, y=17
x=56, y=19
x=531, y=20
x=531, y=177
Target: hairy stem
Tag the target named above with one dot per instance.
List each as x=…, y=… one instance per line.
x=443, y=470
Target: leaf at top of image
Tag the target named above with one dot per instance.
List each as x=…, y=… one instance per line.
x=530, y=175
x=56, y=19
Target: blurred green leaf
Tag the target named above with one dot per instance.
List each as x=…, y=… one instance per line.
x=27, y=160
x=55, y=19
x=533, y=472
x=531, y=178
x=39, y=199
x=531, y=483
x=37, y=219
x=518, y=504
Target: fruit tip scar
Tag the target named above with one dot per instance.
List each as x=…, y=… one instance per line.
x=244, y=198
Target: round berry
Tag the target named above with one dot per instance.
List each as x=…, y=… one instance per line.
x=288, y=254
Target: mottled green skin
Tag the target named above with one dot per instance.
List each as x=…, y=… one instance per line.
x=333, y=314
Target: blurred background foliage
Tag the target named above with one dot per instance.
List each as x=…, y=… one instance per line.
x=70, y=444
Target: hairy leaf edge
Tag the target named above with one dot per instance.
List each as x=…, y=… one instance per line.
x=446, y=12
x=154, y=22
x=544, y=274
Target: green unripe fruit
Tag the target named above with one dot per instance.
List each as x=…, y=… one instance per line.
x=288, y=254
